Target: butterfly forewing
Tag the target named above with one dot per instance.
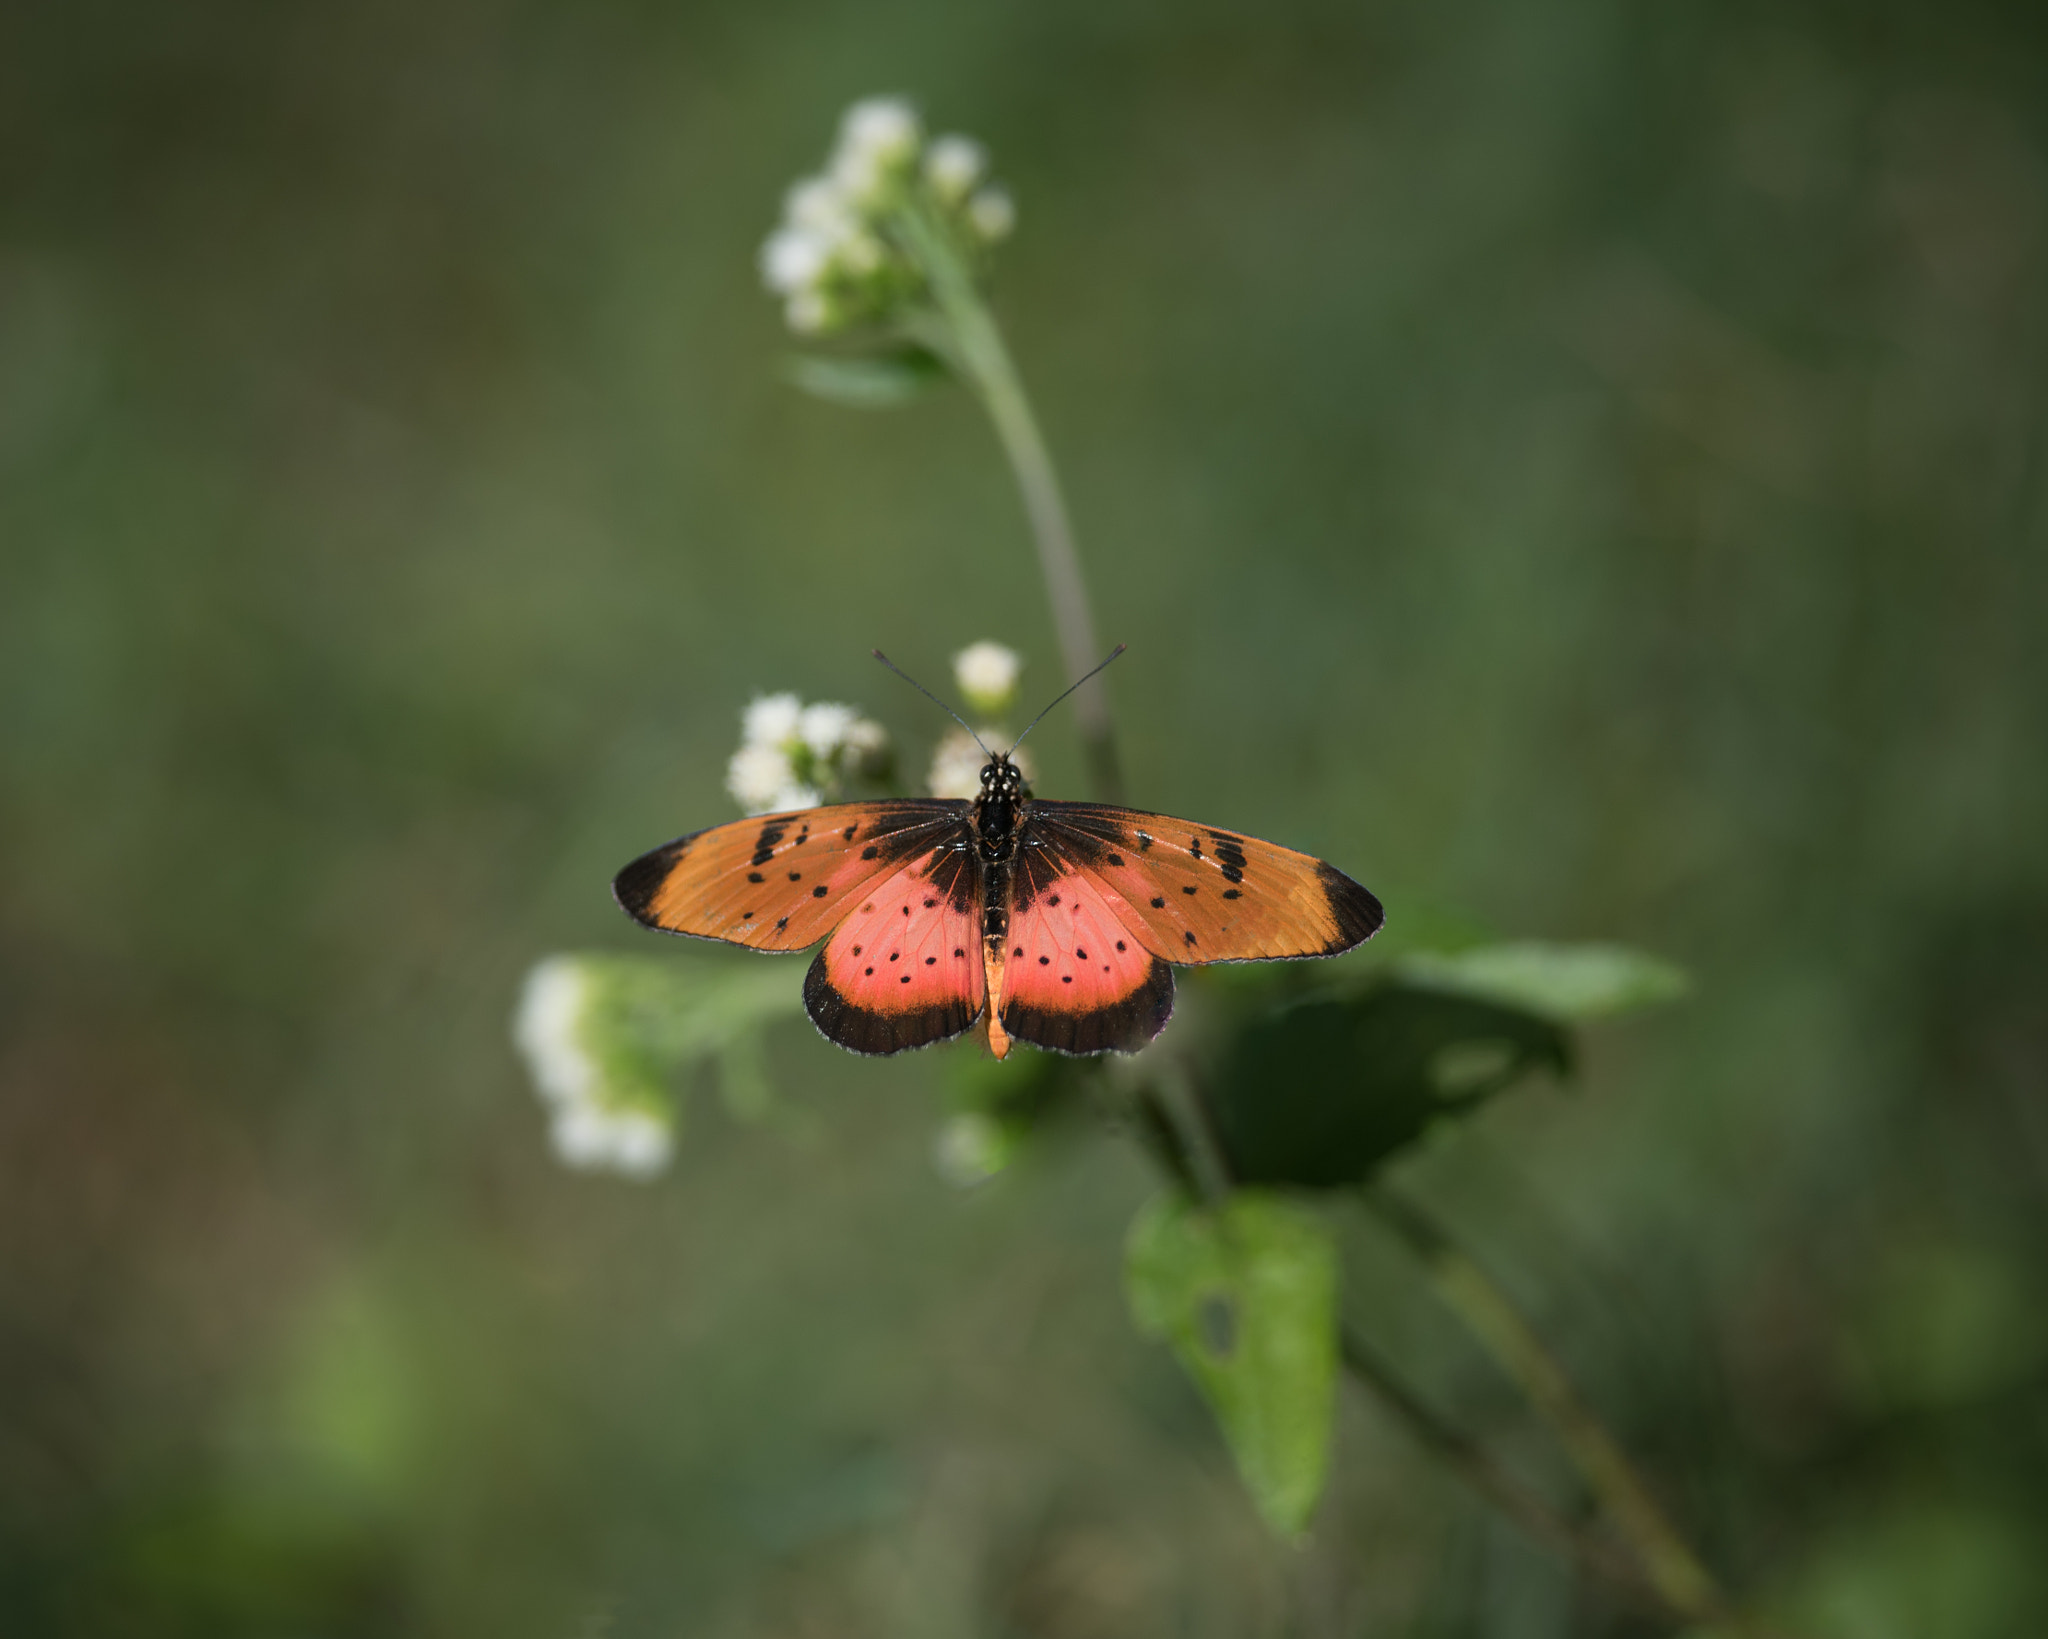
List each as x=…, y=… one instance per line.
x=1192, y=894
x=1075, y=976
x=904, y=969
x=783, y=881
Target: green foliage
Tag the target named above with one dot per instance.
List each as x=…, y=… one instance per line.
x=1245, y=1294
x=1323, y=1091
x=1569, y=983
x=869, y=381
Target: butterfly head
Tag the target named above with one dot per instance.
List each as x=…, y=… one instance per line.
x=1001, y=778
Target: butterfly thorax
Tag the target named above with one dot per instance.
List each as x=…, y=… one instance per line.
x=996, y=810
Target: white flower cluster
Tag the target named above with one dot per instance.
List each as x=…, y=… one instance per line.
x=987, y=674
x=835, y=260
x=796, y=756
x=591, y=1126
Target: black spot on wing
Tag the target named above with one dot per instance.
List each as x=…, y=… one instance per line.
x=1229, y=855
x=1122, y=1027
x=869, y=1030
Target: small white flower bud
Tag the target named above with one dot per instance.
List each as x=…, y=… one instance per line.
x=771, y=719
x=987, y=675
x=867, y=748
x=956, y=767
x=792, y=797
x=952, y=165
x=592, y=1138
x=886, y=128
x=858, y=253
x=878, y=140
x=815, y=204
x=757, y=777
x=792, y=259
x=992, y=213
x=807, y=313
x=824, y=727
x=547, y=1031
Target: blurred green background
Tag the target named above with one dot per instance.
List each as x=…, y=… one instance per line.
x=1581, y=467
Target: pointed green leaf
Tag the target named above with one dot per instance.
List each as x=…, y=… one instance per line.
x=1245, y=1294
x=874, y=381
x=1563, y=982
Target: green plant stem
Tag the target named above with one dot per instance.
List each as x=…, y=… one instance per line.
x=977, y=349
x=1470, y=1463
x=1183, y=1113
x=1668, y=1564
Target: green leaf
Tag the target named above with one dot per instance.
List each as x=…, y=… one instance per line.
x=1245, y=1294
x=1321, y=1093
x=872, y=381
x=1568, y=983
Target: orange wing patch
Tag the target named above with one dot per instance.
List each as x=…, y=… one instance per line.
x=782, y=881
x=904, y=969
x=1194, y=894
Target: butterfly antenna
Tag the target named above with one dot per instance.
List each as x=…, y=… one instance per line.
x=935, y=700
x=1028, y=727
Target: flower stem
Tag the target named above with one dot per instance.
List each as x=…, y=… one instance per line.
x=977, y=349
x=1196, y=1161
x=1668, y=1563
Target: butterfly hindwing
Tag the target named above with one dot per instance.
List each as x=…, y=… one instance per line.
x=1075, y=978
x=782, y=881
x=904, y=969
x=1193, y=894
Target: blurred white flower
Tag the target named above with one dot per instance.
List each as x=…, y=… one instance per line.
x=589, y=1126
x=791, y=259
x=970, y=1149
x=878, y=136
x=883, y=125
x=824, y=726
x=867, y=737
x=956, y=767
x=987, y=675
x=807, y=313
x=758, y=776
x=546, y=1031
x=815, y=205
x=841, y=257
x=793, y=796
x=952, y=165
x=592, y=1138
x=992, y=213
x=771, y=719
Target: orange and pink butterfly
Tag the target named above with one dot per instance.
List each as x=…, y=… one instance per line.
x=1058, y=924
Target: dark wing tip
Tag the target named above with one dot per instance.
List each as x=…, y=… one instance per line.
x=1357, y=914
x=635, y=887
x=862, y=1030
x=1122, y=1027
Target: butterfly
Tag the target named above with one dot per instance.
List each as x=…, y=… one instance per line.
x=1053, y=923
